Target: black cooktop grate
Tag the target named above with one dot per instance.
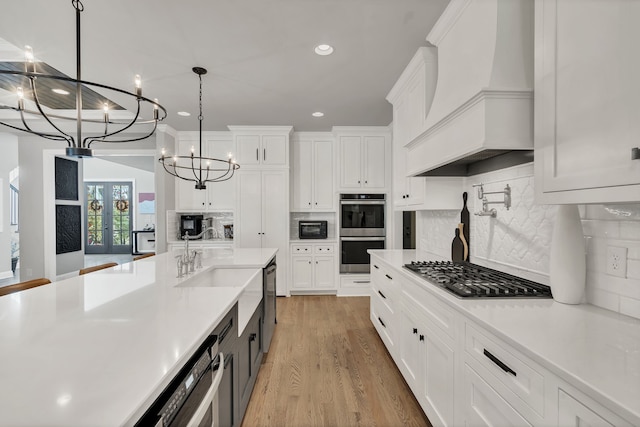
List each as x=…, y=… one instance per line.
x=470, y=280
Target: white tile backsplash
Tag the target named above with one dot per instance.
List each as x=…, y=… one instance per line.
x=518, y=240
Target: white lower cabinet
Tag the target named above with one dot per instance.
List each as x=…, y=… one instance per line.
x=427, y=357
x=313, y=268
x=461, y=373
x=483, y=405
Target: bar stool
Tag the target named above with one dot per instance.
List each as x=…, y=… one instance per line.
x=17, y=287
x=97, y=267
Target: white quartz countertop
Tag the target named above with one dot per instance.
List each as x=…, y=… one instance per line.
x=96, y=350
x=595, y=350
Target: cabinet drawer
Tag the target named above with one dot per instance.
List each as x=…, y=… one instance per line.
x=517, y=373
x=355, y=281
x=383, y=296
x=301, y=249
x=385, y=277
x=324, y=249
x=439, y=315
x=383, y=321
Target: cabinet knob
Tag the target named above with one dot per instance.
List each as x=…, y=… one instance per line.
x=316, y=262
x=358, y=181
x=319, y=249
x=635, y=153
x=309, y=203
x=415, y=330
x=252, y=337
x=421, y=337
x=309, y=262
x=316, y=203
x=366, y=182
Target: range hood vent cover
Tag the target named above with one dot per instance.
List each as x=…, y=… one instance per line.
x=482, y=106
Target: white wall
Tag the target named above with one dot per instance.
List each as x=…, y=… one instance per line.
x=518, y=240
x=8, y=161
x=96, y=169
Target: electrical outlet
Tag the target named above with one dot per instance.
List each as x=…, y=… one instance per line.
x=617, y=261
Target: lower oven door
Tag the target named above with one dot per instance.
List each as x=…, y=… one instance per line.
x=201, y=408
x=353, y=253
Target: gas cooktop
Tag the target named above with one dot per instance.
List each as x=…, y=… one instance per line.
x=474, y=281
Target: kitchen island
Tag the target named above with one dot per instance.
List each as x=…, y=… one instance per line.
x=96, y=350
x=521, y=361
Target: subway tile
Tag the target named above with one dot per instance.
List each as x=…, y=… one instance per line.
x=630, y=230
x=633, y=269
x=630, y=307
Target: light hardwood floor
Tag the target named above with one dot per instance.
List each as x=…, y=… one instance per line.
x=328, y=367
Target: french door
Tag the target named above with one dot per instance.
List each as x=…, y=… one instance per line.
x=108, y=218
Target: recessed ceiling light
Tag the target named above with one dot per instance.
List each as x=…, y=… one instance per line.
x=324, y=49
x=318, y=114
x=60, y=91
x=184, y=113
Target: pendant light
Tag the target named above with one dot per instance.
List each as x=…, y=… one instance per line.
x=31, y=113
x=199, y=169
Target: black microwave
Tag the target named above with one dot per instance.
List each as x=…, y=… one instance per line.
x=312, y=229
x=191, y=224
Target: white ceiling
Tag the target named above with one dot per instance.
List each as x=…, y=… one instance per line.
x=259, y=53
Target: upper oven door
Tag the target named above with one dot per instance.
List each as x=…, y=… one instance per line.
x=362, y=218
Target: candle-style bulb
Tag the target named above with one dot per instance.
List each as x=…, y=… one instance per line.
x=28, y=54
x=20, y=94
x=164, y=151
x=155, y=109
x=105, y=108
x=138, y=81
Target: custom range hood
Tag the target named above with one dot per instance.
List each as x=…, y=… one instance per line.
x=480, y=115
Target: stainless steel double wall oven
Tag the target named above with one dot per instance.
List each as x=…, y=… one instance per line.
x=362, y=227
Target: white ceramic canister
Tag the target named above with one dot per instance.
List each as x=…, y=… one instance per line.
x=567, y=264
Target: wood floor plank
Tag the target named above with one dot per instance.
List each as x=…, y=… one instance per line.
x=327, y=367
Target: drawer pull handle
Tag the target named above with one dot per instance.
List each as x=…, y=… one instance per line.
x=499, y=363
x=381, y=322
x=382, y=295
x=361, y=281
x=375, y=266
x=389, y=277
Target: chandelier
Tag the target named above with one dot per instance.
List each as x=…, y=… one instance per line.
x=199, y=169
x=32, y=112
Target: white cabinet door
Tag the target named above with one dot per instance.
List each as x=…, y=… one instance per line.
x=350, y=162
x=573, y=413
x=374, y=151
x=437, y=377
x=302, y=175
x=249, y=211
x=409, y=338
x=274, y=209
x=586, y=101
x=274, y=150
x=324, y=272
x=221, y=195
x=323, y=176
x=301, y=272
x=248, y=147
x=483, y=406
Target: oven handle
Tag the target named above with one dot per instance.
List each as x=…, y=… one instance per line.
x=368, y=239
x=362, y=202
x=208, y=398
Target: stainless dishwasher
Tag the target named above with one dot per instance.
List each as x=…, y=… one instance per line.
x=269, y=303
x=191, y=399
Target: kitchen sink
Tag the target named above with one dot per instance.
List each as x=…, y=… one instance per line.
x=249, y=279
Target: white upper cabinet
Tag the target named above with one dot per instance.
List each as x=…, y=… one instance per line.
x=586, y=101
x=365, y=158
x=217, y=195
x=262, y=146
x=312, y=173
